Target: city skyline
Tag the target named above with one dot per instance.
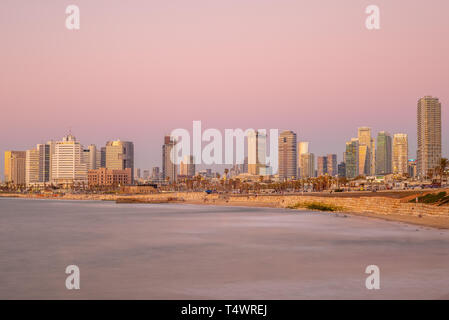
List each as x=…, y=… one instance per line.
x=93, y=158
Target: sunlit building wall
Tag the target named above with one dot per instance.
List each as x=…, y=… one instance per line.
x=400, y=153
x=429, y=135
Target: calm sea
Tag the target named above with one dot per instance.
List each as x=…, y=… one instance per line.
x=170, y=251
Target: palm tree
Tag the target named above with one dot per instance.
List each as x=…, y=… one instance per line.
x=441, y=169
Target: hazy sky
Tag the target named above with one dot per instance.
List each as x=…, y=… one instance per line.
x=138, y=69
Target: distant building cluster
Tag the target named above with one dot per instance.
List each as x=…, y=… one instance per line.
x=67, y=162
x=364, y=155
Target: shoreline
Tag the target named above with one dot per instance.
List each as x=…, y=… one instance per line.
x=396, y=209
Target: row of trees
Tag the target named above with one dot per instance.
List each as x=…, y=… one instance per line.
x=199, y=183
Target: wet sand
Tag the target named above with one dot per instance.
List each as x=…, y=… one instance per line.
x=173, y=251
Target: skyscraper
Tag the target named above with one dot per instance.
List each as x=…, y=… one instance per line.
x=352, y=158
x=287, y=155
x=429, y=135
x=15, y=167
x=383, y=153
x=187, y=166
x=169, y=170
x=51, y=144
x=341, y=170
x=32, y=167
x=44, y=162
x=103, y=157
x=400, y=153
x=37, y=165
x=120, y=156
x=332, y=169
x=303, y=148
x=412, y=168
x=365, y=151
x=321, y=166
x=257, y=141
x=92, y=157
x=307, y=165
x=68, y=165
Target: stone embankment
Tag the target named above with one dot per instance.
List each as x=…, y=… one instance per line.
x=392, y=208
x=372, y=204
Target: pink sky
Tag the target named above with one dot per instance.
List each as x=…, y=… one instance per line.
x=138, y=69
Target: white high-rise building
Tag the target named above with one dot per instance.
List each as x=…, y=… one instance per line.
x=169, y=167
x=400, y=153
x=257, y=143
x=32, y=167
x=303, y=148
x=67, y=164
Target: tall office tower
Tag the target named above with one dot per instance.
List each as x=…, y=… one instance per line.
x=303, y=148
x=15, y=167
x=400, y=153
x=32, y=167
x=332, y=169
x=44, y=162
x=307, y=165
x=103, y=157
x=98, y=159
x=412, y=168
x=51, y=145
x=68, y=165
x=257, y=143
x=155, y=173
x=169, y=171
x=365, y=150
x=383, y=153
x=90, y=157
x=429, y=135
x=341, y=170
x=187, y=167
x=352, y=158
x=321, y=166
x=120, y=156
x=373, y=156
x=287, y=155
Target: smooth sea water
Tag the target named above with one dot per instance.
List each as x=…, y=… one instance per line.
x=171, y=251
